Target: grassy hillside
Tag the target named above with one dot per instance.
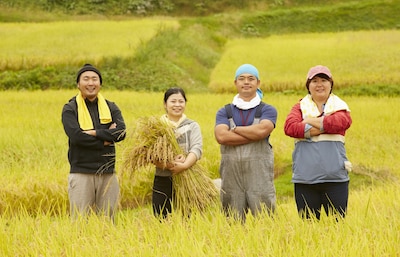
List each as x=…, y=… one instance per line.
x=140, y=8
x=187, y=56
x=357, y=60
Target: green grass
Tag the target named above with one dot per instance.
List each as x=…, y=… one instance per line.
x=322, y=16
x=363, y=62
x=190, y=55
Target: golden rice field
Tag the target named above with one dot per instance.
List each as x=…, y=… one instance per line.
x=34, y=167
x=354, y=57
x=34, y=217
x=26, y=45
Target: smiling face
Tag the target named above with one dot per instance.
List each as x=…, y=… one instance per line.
x=246, y=85
x=175, y=106
x=89, y=85
x=320, y=88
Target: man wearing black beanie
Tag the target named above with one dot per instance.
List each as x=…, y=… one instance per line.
x=92, y=124
x=88, y=67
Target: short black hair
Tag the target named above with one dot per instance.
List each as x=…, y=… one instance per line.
x=172, y=91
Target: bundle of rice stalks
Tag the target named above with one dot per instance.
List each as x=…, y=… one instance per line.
x=154, y=141
x=151, y=144
x=194, y=190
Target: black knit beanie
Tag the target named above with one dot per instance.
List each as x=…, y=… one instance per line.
x=88, y=67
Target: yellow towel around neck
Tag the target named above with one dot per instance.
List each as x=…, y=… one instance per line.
x=84, y=118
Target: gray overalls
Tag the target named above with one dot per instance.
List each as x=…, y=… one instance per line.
x=247, y=174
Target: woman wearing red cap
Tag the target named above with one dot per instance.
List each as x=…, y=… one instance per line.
x=318, y=124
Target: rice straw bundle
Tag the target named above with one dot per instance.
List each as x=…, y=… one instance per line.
x=155, y=141
x=194, y=190
x=151, y=144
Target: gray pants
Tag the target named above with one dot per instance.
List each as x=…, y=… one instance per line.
x=247, y=173
x=91, y=192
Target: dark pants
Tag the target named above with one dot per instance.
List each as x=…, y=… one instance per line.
x=333, y=197
x=162, y=196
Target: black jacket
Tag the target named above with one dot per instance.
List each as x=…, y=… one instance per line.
x=87, y=154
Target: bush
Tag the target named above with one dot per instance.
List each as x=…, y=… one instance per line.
x=36, y=79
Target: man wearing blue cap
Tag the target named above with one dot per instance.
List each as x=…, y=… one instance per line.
x=247, y=160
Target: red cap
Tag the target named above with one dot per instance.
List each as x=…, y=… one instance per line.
x=318, y=70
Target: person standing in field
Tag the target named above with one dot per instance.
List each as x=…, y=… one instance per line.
x=243, y=129
x=93, y=125
x=318, y=122
x=189, y=138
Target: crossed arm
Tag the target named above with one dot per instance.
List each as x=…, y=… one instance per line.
x=243, y=134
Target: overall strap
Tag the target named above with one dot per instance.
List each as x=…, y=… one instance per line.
x=228, y=108
x=258, y=113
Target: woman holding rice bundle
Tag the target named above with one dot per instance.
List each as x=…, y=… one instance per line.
x=188, y=135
